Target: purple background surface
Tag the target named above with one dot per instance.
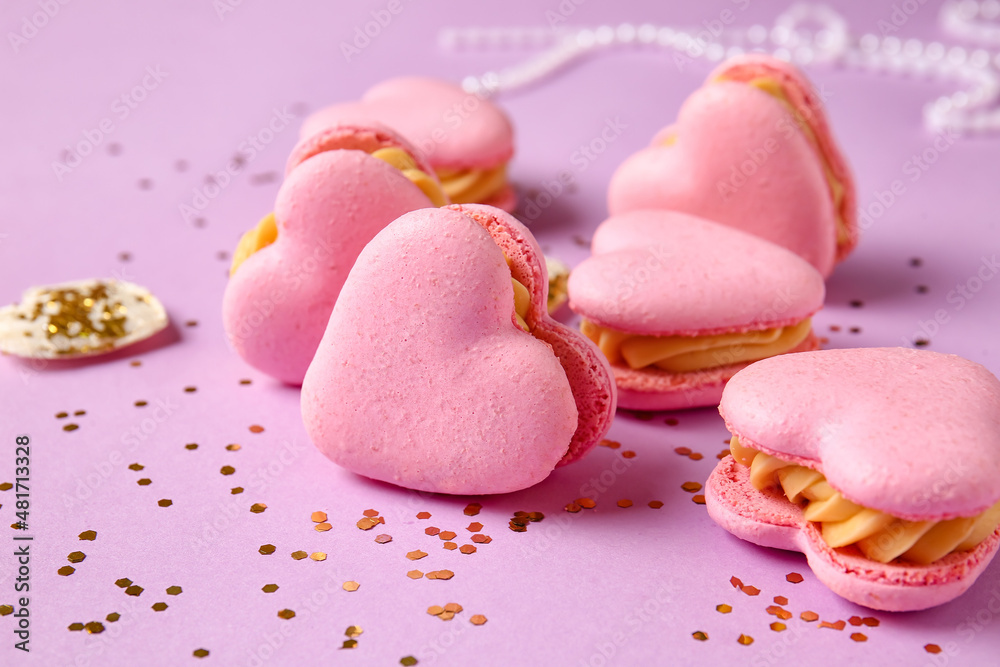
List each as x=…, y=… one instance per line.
x=612, y=585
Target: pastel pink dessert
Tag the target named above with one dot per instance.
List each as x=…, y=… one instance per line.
x=751, y=149
x=441, y=369
x=679, y=304
x=342, y=187
x=881, y=465
x=468, y=140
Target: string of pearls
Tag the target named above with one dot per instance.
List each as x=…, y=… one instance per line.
x=803, y=35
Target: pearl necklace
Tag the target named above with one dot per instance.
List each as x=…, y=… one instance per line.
x=803, y=35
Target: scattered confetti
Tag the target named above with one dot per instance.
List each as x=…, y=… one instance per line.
x=236, y=490
x=246, y=381
x=467, y=549
x=75, y=627
x=354, y=631
x=66, y=570
x=624, y=503
x=722, y=454
x=113, y=617
x=783, y=614
x=736, y=583
x=778, y=626
x=318, y=556
x=474, y=527
x=350, y=586
x=839, y=625
x=450, y=546
x=322, y=527
x=383, y=538
x=134, y=591
x=423, y=515
x=696, y=456
x=610, y=444
x=123, y=583
x=370, y=513
x=256, y=429
x=62, y=415
x=193, y=446
x=190, y=390
x=299, y=555
x=415, y=574
x=472, y=509
x=141, y=404
x=286, y=614
x=200, y=653
x=408, y=661
x=683, y=451
x=319, y=517
x=723, y=608
x=691, y=487
x=453, y=607
x=870, y=621
x=6, y=610
x=447, y=535
x=76, y=557
x=481, y=539
x=258, y=508
x=416, y=555
x=367, y=524
x=233, y=447
x=145, y=481
x=269, y=588
x=746, y=640
x=573, y=508
x=266, y=549
x=794, y=578
x=854, y=620
x=165, y=502
x=586, y=503
x=780, y=599
x=700, y=636
x=227, y=470
x=859, y=637
x=136, y=467
x=160, y=606
x=698, y=500
x=809, y=616
x=932, y=648
x=656, y=504
x=431, y=530
x=440, y=574
x=751, y=590
x=94, y=627
x=478, y=619
x=71, y=427
x=174, y=590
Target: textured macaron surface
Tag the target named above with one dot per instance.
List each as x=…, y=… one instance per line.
x=913, y=433
x=453, y=128
x=423, y=380
x=277, y=303
x=736, y=156
x=665, y=273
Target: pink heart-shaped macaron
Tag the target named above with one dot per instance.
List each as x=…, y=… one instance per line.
x=741, y=156
x=334, y=200
x=426, y=379
x=910, y=434
x=466, y=138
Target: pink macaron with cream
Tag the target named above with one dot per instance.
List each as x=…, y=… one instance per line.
x=881, y=465
x=441, y=370
x=467, y=139
x=343, y=185
x=752, y=149
x=679, y=304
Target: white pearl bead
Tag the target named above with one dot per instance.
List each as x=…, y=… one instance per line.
x=783, y=54
x=665, y=37
x=934, y=51
x=715, y=52
x=757, y=34
x=913, y=48
x=734, y=51
x=891, y=45
x=585, y=38
x=604, y=35
x=626, y=33
x=779, y=34
x=980, y=58
x=647, y=33
x=869, y=43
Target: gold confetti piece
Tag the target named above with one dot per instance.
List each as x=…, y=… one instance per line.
x=383, y=538
x=6, y=610
x=780, y=599
x=736, y=583
x=478, y=619
x=366, y=524
x=700, y=636
x=751, y=590
x=474, y=527
x=112, y=617
x=695, y=456
x=227, y=470
x=809, y=616
x=246, y=381
x=66, y=570
x=408, y=661
x=431, y=530
x=233, y=447
x=174, y=590
x=722, y=454
x=257, y=508
x=586, y=503
x=370, y=513
x=691, y=487
x=76, y=557
x=354, y=631
x=141, y=404
x=854, y=620
x=191, y=323
x=159, y=606
x=351, y=586
x=322, y=527
x=447, y=535
x=746, y=640
x=416, y=555
x=656, y=504
x=723, y=608
x=318, y=556
x=266, y=549
x=435, y=610
x=794, y=578
x=193, y=446
x=286, y=614
x=624, y=502
x=415, y=574
x=870, y=621
x=200, y=653
x=453, y=607
x=610, y=444
x=190, y=390
x=423, y=515
x=75, y=627
x=628, y=454
x=839, y=625
x=79, y=413
x=134, y=591
x=572, y=507
x=62, y=415
x=683, y=451
x=450, y=546
x=256, y=429
x=932, y=648
x=135, y=363
x=783, y=614
x=481, y=539
x=269, y=588
x=319, y=517
x=136, y=467
x=350, y=643
x=859, y=637
x=71, y=427
x=94, y=627
x=6, y=486
x=698, y=500
x=123, y=583
x=778, y=626
x=145, y=481
x=299, y=555
x=446, y=615
x=467, y=549
x=165, y=502
x=472, y=509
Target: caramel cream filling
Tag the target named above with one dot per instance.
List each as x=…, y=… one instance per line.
x=472, y=186
x=880, y=536
x=680, y=354
x=266, y=231
x=522, y=300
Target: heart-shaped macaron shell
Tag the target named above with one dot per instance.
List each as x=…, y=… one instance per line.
x=466, y=138
x=334, y=200
x=914, y=434
x=741, y=156
x=425, y=378
x=661, y=273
